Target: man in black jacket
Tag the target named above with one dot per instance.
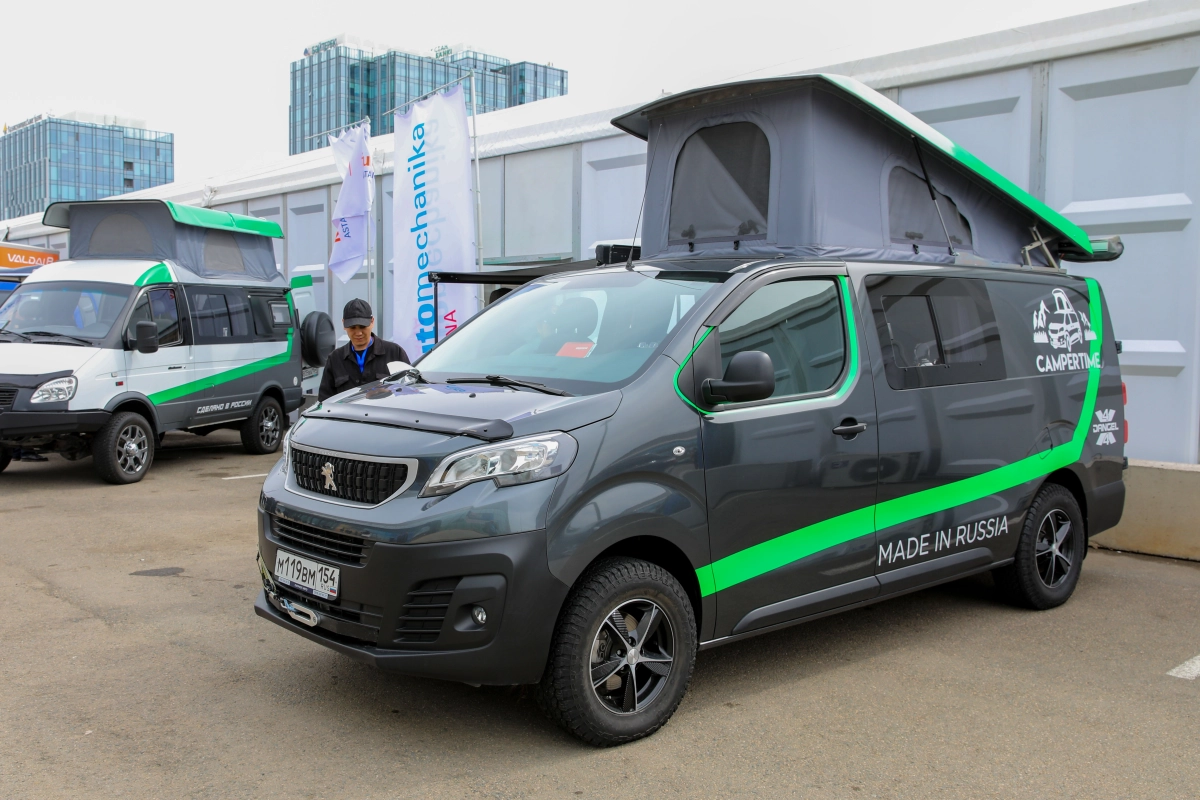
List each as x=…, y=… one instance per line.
x=363, y=359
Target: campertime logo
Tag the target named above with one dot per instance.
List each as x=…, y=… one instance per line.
x=1062, y=329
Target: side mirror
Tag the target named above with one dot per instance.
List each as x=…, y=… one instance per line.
x=146, y=337
x=750, y=376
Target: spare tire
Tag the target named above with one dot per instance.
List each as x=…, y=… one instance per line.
x=317, y=338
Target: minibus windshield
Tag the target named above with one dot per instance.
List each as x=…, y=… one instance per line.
x=582, y=333
x=71, y=309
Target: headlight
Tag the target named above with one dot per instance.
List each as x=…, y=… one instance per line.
x=287, y=446
x=534, y=458
x=58, y=390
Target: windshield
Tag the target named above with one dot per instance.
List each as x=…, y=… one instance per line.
x=69, y=308
x=581, y=333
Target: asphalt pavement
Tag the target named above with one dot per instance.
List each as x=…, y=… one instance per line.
x=132, y=665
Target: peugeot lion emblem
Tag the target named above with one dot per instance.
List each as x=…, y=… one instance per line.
x=327, y=473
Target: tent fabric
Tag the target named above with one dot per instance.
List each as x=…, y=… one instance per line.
x=721, y=184
x=148, y=231
x=831, y=169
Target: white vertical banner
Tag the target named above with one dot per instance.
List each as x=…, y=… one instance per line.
x=433, y=220
x=352, y=214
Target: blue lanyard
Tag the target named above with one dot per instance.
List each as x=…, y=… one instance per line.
x=361, y=358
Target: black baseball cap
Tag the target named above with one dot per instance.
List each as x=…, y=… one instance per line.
x=356, y=312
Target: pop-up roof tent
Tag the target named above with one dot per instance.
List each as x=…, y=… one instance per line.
x=208, y=243
x=823, y=166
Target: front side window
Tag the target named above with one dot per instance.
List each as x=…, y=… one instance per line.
x=799, y=324
x=157, y=306
x=68, y=308
x=583, y=333
x=722, y=185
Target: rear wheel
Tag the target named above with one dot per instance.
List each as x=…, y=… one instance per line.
x=1050, y=552
x=622, y=654
x=263, y=431
x=124, y=448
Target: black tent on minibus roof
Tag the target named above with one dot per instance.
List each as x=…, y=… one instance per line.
x=823, y=166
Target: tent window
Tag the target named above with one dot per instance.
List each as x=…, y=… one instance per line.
x=121, y=235
x=912, y=219
x=722, y=184
x=222, y=254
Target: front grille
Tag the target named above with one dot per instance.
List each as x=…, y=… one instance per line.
x=7, y=397
x=345, y=611
x=369, y=482
x=425, y=610
x=320, y=542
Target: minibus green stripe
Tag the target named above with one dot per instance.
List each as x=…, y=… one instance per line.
x=192, y=387
x=159, y=273
x=790, y=547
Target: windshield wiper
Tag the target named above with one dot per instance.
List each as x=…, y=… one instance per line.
x=15, y=333
x=500, y=380
x=86, y=342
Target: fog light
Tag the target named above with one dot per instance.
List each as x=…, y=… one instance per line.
x=479, y=614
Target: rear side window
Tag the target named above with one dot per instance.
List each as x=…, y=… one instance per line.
x=219, y=316
x=935, y=331
x=272, y=317
x=798, y=323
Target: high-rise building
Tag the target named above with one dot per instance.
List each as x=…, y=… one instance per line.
x=340, y=81
x=79, y=156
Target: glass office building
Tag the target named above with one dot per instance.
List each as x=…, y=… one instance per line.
x=337, y=84
x=79, y=157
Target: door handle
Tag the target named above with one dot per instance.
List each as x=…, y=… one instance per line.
x=849, y=428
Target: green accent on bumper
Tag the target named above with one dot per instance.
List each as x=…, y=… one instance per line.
x=223, y=220
x=790, y=547
x=300, y=281
x=192, y=387
x=159, y=273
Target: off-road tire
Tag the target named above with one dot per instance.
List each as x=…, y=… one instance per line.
x=116, y=464
x=262, y=432
x=566, y=693
x=1024, y=582
x=5, y=458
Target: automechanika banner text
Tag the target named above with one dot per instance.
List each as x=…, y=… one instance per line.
x=432, y=219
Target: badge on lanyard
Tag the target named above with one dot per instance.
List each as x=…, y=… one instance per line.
x=361, y=358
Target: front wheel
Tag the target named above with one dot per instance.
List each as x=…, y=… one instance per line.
x=124, y=448
x=622, y=654
x=263, y=430
x=5, y=458
x=1049, y=553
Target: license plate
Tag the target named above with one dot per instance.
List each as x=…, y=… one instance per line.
x=308, y=576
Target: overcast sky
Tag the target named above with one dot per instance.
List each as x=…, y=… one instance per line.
x=216, y=73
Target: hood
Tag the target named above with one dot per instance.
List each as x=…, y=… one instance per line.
x=472, y=406
x=24, y=358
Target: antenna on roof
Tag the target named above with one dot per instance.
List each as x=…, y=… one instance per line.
x=642, y=209
x=933, y=196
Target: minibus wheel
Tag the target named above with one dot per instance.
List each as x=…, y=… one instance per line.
x=263, y=430
x=1050, y=552
x=622, y=654
x=124, y=448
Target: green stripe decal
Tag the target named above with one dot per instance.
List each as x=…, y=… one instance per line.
x=192, y=387
x=159, y=273
x=790, y=547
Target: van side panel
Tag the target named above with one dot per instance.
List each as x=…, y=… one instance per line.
x=1103, y=462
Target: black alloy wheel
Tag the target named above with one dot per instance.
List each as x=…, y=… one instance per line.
x=622, y=654
x=1050, y=551
x=632, y=656
x=123, y=449
x=263, y=430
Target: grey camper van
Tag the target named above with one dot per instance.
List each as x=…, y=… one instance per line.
x=849, y=364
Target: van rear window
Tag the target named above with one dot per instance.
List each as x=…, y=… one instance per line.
x=935, y=331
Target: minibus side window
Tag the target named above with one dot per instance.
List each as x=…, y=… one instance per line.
x=935, y=331
x=219, y=316
x=798, y=323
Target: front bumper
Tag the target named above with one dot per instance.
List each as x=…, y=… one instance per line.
x=407, y=608
x=41, y=423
